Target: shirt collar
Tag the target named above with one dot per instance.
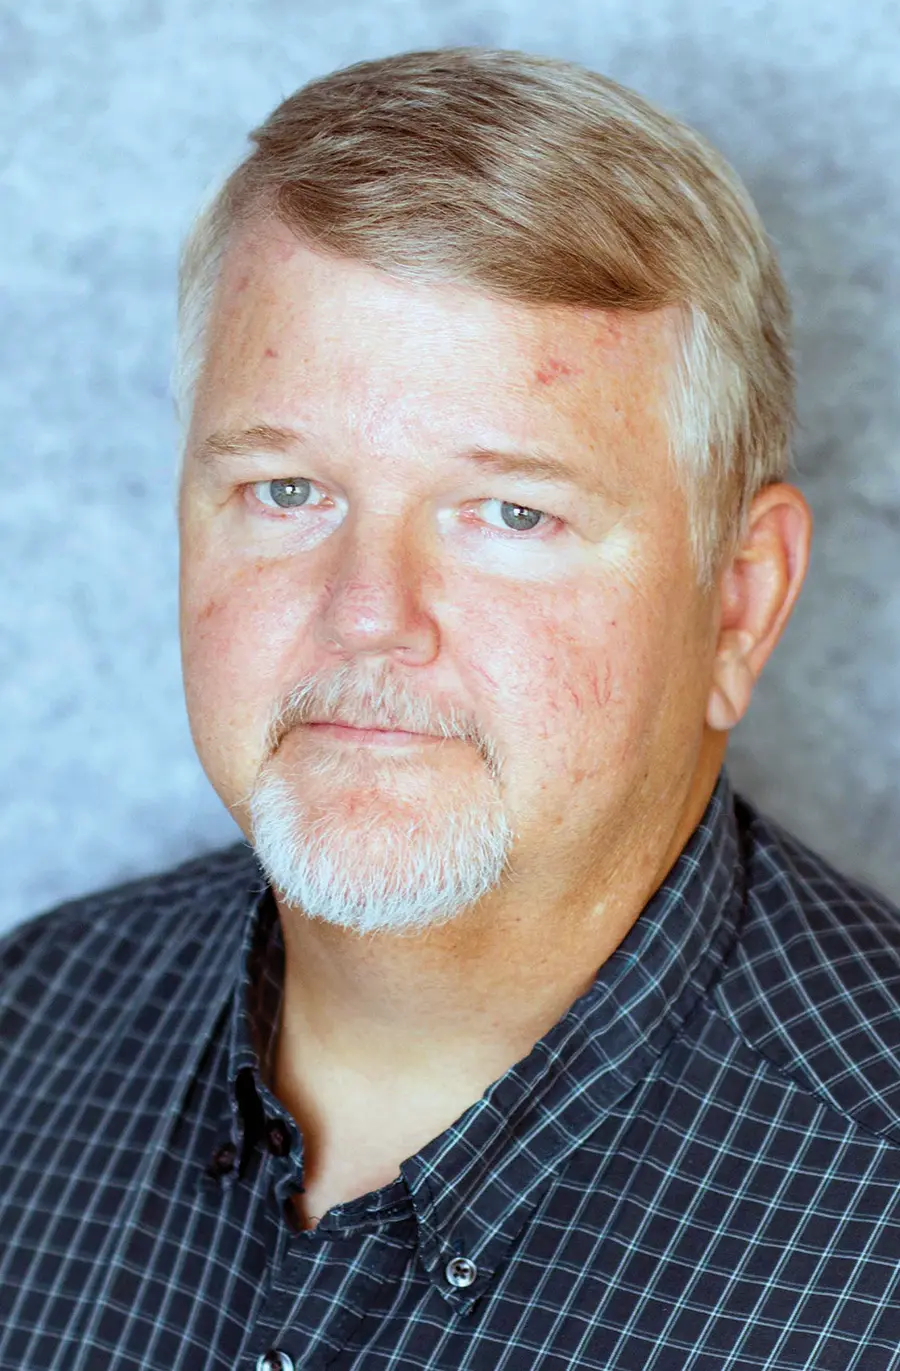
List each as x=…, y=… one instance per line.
x=474, y=1187
x=255, y=1011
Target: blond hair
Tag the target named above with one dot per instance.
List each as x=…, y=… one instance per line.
x=542, y=182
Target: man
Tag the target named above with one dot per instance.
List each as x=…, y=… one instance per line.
x=511, y=1037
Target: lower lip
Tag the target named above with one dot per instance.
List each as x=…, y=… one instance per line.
x=374, y=737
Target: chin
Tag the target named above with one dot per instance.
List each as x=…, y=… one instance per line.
x=396, y=852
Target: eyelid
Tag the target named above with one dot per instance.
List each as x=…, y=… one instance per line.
x=547, y=520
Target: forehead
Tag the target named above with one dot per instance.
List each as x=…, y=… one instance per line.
x=292, y=327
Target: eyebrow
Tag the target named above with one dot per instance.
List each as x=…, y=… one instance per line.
x=239, y=443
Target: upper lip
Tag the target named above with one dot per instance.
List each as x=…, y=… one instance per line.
x=353, y=723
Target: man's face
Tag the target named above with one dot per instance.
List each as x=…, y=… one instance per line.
x=363, y=540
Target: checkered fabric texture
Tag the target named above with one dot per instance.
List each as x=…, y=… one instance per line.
x=697, y=1167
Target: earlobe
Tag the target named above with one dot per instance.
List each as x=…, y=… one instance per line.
x=720, y=714
x=733, y=681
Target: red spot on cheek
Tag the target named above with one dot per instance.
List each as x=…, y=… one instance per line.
x=207, y=622
x=242, y=282
x=602, y=693
x=485, y=675
x=270, y=352
x=573, y=695
x=553, y=370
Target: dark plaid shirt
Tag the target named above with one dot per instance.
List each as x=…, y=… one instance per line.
x=697, y=1167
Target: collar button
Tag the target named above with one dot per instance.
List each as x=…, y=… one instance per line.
x=274, y=1360
x=460, y=1272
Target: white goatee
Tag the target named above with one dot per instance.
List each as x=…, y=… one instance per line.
x=371, y=841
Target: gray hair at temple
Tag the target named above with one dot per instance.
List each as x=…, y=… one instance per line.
x=538, y=181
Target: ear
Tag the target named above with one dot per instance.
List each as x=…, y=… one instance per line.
x=758, y=591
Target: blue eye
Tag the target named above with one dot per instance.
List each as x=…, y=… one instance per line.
x=506, y=514
x=287, y=494
x=519, y=517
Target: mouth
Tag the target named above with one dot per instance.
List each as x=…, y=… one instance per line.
x=372, y=736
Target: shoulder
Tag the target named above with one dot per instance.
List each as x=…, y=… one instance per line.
x=137, y=930
x=813, y=982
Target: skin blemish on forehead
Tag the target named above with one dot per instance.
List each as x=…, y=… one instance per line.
x=270, y=352
x=554, y=369
x=612, y=330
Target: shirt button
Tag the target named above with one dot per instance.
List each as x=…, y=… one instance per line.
x=460, y=1272
x=278, y=1138
x=274, y=1360
x=223, y=1160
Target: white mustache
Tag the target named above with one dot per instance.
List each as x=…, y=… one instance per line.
x=377, y=702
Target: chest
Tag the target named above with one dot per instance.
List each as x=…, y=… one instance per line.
x=649, y=1262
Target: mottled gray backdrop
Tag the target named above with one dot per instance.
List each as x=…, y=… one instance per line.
x=116, y=116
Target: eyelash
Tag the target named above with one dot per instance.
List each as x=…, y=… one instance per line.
x=490, y=531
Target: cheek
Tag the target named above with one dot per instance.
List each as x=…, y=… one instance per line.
x=248, y=608
x=236, y=636
x=560, y=673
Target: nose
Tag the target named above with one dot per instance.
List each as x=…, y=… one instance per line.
x=375, y=604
